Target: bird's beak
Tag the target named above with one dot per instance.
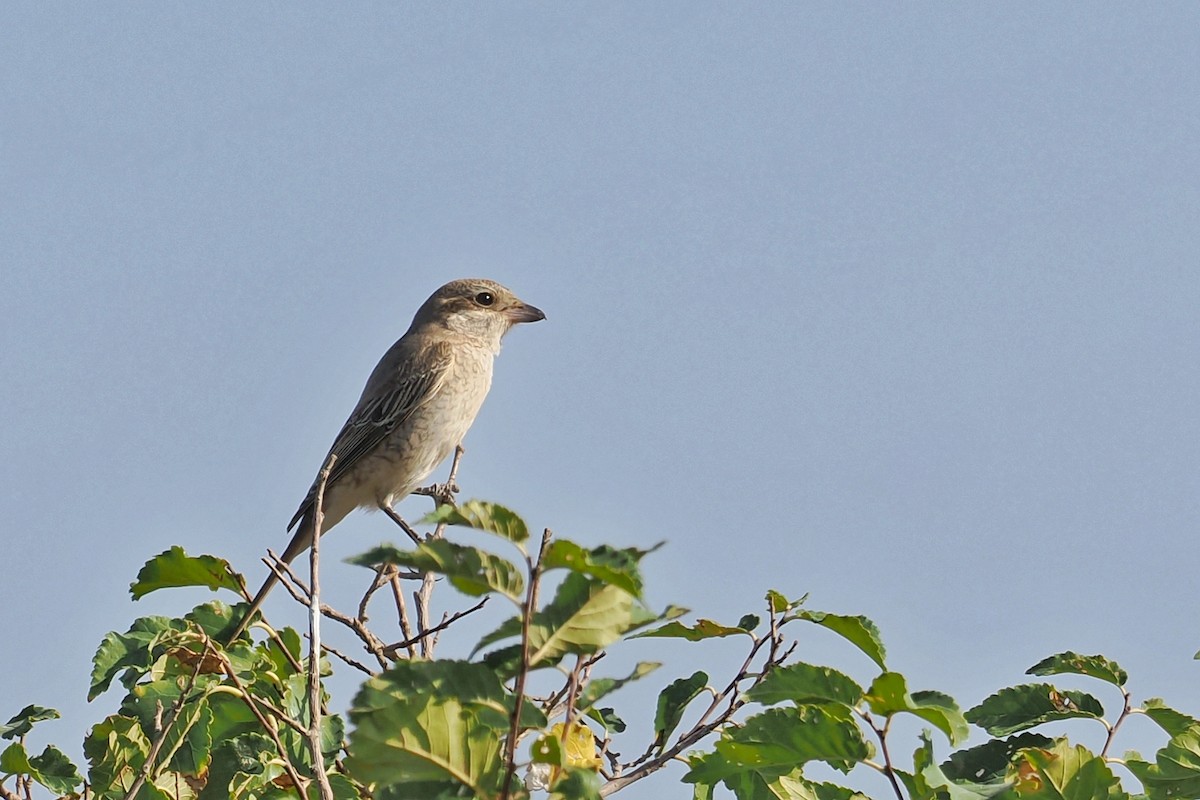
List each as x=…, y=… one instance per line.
x=524, y=313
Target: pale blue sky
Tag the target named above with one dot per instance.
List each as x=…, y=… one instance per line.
x=893, y=304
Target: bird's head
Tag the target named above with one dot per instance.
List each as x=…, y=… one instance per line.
x=478, y=308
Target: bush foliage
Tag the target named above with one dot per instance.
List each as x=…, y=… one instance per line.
x=205, y=718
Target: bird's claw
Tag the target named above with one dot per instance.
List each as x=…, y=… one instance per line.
x=442, y=493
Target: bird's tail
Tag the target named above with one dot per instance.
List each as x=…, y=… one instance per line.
x=299, y=543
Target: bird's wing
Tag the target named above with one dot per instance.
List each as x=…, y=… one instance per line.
x=393, y=392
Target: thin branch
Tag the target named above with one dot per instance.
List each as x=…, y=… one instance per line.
x=441, y=626
x=399, y=520
x=402, y=613
x=531, y=598
x=299, y=592
x=881, y=733
x=314, y=636
x=1112, y=732
x=347, y=659
x=381, y=578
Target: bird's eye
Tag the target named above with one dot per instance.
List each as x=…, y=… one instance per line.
x=485, y=298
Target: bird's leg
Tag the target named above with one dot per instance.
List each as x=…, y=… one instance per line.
x=443, y=493
x=399, y=520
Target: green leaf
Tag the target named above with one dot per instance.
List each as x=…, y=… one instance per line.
x=672, y=701
x=174, y=567
x=782, y=739
x=116, y=750
x=22, y=722
x=131, y=652
x=584, y=617
x=51, y=769
x=598, y=688
x=547, y=750
x=1176, y=768
x=771, y=783
x=1172, y=721
x=617, y=567
x=473, y=572
x=928, y=782
x=482, y=516
x=430, y=723
x=1065, y=772
x=889, y=695
x=779, y=604
x=988, y=763
x=1074, y=664
x=607, y=718
x=703, y=629
x=1021, y=707
x=859, y=631
x=804, y=683
x=576, y=784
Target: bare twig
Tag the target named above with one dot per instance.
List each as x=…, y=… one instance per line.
x=399, y=520
x=886, y=768
x=402, y=614
x=441, y=626
x=314, y=637
x=1112, y=732
x=299, y=592
x=381, y=578
x=347, y=659
x=527, y=611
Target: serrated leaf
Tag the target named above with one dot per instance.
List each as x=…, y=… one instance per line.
x=116, y=750
x=672, y=701
x=858, y=630
x=889, y=695
x=783, y=739
x=1172, y=721
x=584, y=617
x=482, y=516
x=131, y=652
x=1176, y=768
x=51, y=769
x=23, y=721
x=1074, y=664
x=421, y=722
x=703, y=629
x=928, y=780
x=175, y=568
x=1021, y=707
x=618, y=567
x=988, y=763
x=1065, y=772
x=805, y=683
x=472, y=571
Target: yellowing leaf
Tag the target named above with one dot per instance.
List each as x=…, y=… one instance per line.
x=579, y=746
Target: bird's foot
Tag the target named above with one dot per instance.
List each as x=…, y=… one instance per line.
x=442, y=493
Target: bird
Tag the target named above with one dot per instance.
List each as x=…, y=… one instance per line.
x=417, y=406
